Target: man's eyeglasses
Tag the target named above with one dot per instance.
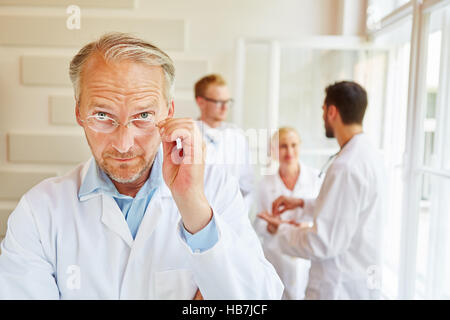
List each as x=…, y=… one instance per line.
x=219, y=103
x=100, y=122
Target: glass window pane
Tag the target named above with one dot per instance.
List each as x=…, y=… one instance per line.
x=433, y=241
x=303, y=78
x=444, y=114
x=255, y=86
x=423, y=238
x=304, y=75
x=436, y=96
x=378, y=9
x=446, y=133
x=394, y=142
x=432, y=85
x=395, y=137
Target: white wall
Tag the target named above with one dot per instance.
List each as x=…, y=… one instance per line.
x=352, y=20
x=37, y=136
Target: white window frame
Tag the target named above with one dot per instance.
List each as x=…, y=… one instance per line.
x=413, y=157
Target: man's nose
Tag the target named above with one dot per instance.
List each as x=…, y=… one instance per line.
x=124, y=140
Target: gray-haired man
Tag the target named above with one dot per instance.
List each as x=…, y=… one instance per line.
x=138, y=220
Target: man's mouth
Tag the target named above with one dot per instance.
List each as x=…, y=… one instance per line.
x=122, y=159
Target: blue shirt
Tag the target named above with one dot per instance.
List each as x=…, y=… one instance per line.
x=133, y=209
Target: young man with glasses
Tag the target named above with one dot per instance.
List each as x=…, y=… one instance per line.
x=226, y=143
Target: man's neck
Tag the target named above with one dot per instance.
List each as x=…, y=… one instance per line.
x=346, y=133
x=211, y=123
x=131, y=189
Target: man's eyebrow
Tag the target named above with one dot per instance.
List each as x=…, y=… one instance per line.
x=152, y=105
x=144, y=107
x=100, y=106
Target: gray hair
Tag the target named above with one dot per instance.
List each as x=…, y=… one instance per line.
x=121, y=46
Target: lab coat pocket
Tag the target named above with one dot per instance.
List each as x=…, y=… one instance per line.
x=175, y=285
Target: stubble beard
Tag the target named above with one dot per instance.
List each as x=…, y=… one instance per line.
x=113, y=172
x=329, y=133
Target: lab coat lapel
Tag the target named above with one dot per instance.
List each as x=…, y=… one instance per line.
x=302, y=181
x=152, y=216
x=278, y=188
x=113, y=218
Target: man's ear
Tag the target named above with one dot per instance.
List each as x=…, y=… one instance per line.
x=332, y=112
x=171, y=109
x=200, y=103
x=77, y=113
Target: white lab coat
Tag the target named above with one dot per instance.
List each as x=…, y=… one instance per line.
x=58, y=246
x=293, y=271
x=227, y=146
x=344, y=244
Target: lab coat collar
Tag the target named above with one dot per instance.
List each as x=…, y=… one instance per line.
x=95, y=181
x=351, y=143
x=212, y=134
x=301, y=181
x=303, y=178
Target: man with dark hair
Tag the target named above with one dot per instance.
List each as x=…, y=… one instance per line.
x=344, y=242
x=351, y=101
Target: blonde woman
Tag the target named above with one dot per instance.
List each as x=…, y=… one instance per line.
x=293, y=179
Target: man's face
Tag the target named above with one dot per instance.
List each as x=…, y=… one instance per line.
x=329, y=133
x=122, y=91
x=210, y=109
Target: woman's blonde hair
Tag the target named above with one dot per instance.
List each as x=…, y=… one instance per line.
x=282, y=131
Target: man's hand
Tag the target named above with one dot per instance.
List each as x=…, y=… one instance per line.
x=273, y=222
x=183, y=171
x=282, y=204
